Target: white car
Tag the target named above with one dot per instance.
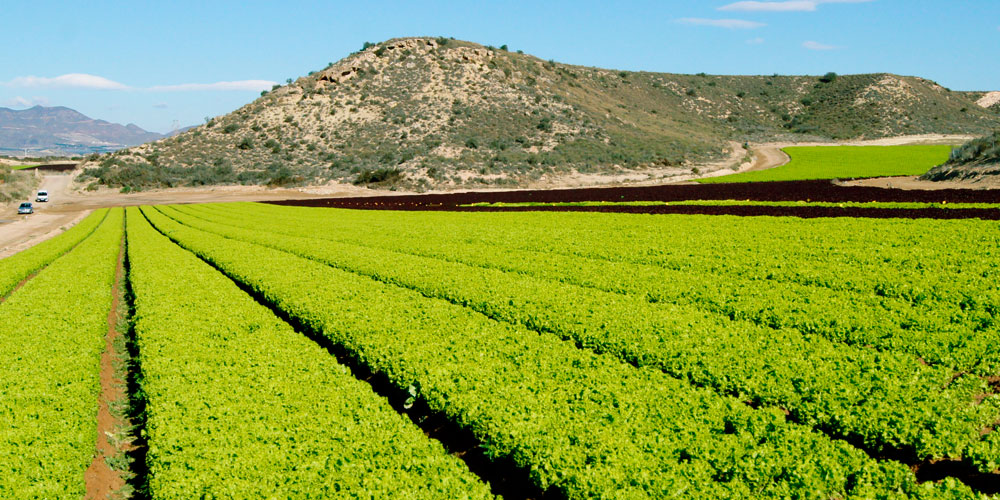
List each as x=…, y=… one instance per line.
x=42, y=196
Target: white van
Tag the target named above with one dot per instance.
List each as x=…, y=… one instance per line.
x=43, y=196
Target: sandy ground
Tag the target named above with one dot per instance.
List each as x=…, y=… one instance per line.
x=13, y=163
x=645, y=177
x=989, y=100
x=913, y=182
x=18, y=232
x=68, y=205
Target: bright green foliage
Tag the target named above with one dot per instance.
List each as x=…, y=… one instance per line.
x=51, y=337
x=242, y=406
x=585, y=424
x=921, y=272
x=841, y=162
x=911, y=306
x=834, y=386
x=19, y=266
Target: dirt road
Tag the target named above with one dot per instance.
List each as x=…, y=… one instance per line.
x=68, y=205
x=18, y=232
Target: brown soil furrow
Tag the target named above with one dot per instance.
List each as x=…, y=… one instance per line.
x=102, y=481
x=936, y=470
x=506, y=479
x=19, y=285
x=503, y=474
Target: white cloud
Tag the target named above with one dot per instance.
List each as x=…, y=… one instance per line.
x=161, y=105
x=93, y=82
x=71, y=80
x=23, y=102
x=722, y=23
x=793, y=6
x=811, y=45
x=17, y=102
x=244, y=85
x=784, y=6
x=755, y=41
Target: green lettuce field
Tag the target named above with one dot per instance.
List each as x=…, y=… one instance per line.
x=293, y=352
x=844, y=162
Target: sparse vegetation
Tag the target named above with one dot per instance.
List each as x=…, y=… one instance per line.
x=379, y=176
x=977, y=151
x=523, y=118
x=975, y=159
x=15, y=184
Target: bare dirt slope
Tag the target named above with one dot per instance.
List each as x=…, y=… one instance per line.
x=18, y=232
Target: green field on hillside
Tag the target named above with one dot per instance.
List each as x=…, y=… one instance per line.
x=846, y=162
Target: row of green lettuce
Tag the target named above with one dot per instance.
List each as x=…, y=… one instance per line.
x=239, y=405
x=583, y=424
x=943, y=269
x=51, y=337
x=957, y=338
x=887, y=400
x=14, y=269
x=920, y=261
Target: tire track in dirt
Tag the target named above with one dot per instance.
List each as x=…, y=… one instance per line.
x=113, y=440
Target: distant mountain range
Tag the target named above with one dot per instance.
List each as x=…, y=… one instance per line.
x=61, y=131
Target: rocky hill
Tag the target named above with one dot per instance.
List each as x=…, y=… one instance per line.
x=422, y=113
x=61, y=131
x=990, y=100
x=978, y=159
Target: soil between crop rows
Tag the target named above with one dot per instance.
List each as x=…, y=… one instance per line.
x=503, y=475
x=101, y=479
x=811, y=191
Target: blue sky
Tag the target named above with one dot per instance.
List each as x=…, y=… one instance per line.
x=160, y=63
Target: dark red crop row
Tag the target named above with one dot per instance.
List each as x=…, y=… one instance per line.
x=816, y=191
